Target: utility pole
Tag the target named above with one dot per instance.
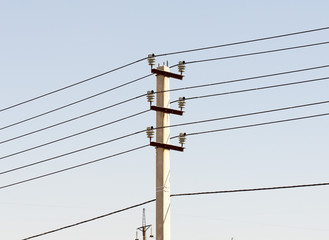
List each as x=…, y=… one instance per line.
x=163, y=148
x=163, y=159
x=144, y=227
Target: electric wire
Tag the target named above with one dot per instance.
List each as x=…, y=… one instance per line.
x=73, y=167
x=72, y=85
x=182, y=195
x=254, y=125
x=76, y=102
x=255, y=53
x=72, y=152
x=177, y=89
x=255, y=89
x=188, y=62
x=79, y=150
x=245, y=114
x=245, y=79
x=179, y=125
x=188, y=134
x=243, y=42
x=160, y=55
x=73, y=119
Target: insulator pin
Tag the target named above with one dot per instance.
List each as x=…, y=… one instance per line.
x=181, y=103
x=182, y=138
x=181, y=67
x=150, y=96
x=150, y=132
x=151, y=59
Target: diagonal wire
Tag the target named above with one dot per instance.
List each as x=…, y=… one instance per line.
x=256, y=124
x=166, y=54
x=75, y=151
x=255, y=89
x=71, y=85
x=72, y=119
x=245, y=79
x=73, y=167
x=185, y=124
x=76, y=102
x=182, y=195
x=189, y=134
x=255, y=53
x=243, y=42
x=245, y=114
x=60, y=139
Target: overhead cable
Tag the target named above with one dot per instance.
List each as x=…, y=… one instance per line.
x=245, y=114
x=72, y=85
x=70, y=168
x=79, y=150
x=243, y=42
x=76, y=102
x=165, y=54
x=255, y=89
x=177, y=89
x=255, y=124
x=255, y=53
x=245, y=79
x=182, y=195
x=75, y=118
x=75, y=151
x=188, y=134
x=178, y=125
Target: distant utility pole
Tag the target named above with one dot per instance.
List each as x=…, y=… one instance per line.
x=163, y=148
x=144, y=227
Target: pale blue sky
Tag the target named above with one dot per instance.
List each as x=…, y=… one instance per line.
x=46, y=45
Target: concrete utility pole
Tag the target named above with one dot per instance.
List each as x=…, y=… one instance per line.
x=163, y=158
x=163, y=148
x=162, y=143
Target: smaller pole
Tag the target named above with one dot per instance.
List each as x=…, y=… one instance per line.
x=144, y=233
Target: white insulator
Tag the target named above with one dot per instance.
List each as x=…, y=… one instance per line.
x=150, y=132
x=151, y=59
x=181, y=67
x=150, y=96
x=181, y=103
x=182, y=138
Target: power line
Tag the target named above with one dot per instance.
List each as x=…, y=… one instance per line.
x=243, y=42
x=73, y=167
x=76, y=102
x=188, y=62
x=178, y=125
x=79, y=150
x=248, y=114
x=72, y=85
x=189, y=134
x=177, y=89
x=72, y=152
x=181, y=195
x=255, y=89
x=254, y=53
x=251, y=189
x=256, y=124
x=73, y=119
x=247, y=79
x=159, y=55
